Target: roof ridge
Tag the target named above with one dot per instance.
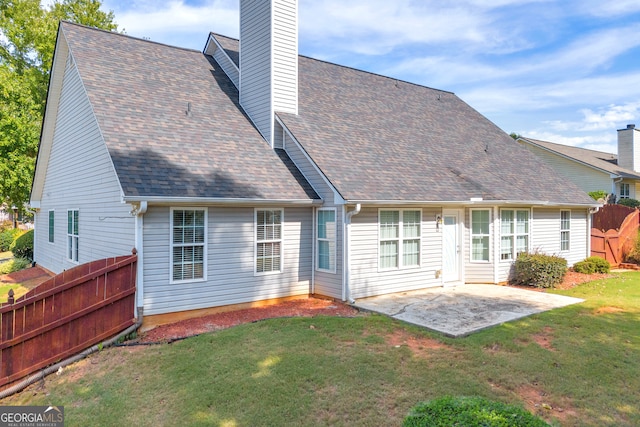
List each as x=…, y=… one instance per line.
x=568, y=146
x=116, y=33
x=211, y=33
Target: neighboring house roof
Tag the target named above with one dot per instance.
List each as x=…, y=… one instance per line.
x=172, y=123
x=605, y=162
x=380, y=139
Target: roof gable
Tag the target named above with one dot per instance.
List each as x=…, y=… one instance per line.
x=172, y=123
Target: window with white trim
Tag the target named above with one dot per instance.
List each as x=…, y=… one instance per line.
x=188, y=244
x=326, y=240
x=480, y=237
x=399, y=238
x=73, y=234
x=565, y=230
x=268, y=240
x=514, y=233
x=624, y=191
x=52, y=222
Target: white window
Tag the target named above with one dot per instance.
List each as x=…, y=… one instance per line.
x=52, y=222
x=268, y=240
x=514, y=233
x=624, y=191
x=73, y=216
x=565, y=230
x=326, y=240
x=399, y=238
x=188, y=244
x=480, y=237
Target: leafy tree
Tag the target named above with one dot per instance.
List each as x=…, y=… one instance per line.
x=27, y=42
x=514, y=135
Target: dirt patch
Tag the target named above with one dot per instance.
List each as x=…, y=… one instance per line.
x=608, y=310
x=419, y=346
x=540, y=403
x=543, y=338
x=305, y=307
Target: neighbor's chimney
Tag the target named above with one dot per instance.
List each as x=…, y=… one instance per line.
x=268, y=61
x=629, y=148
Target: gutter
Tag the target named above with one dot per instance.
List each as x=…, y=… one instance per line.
x=346, y=253
x=213, y=201
x=471, y=202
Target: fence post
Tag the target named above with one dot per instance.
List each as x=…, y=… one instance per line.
x=7, y=334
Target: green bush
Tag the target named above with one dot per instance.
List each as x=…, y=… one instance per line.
x=634, y=255
x=469, y=412
x=592, y=265
x=600, y=194
x=14, y=264
x=22, y=247
x=540, y=270
x=632, y=203
x=7, y=237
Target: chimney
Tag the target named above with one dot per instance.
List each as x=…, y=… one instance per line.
x=629, y=148
x=268, y=61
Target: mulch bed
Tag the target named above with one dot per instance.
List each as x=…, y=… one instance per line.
x=304, y=307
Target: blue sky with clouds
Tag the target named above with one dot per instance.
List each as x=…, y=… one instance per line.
x=565, y=71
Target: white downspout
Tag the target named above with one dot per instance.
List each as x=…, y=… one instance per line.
x=313, y=250
x=346, y=253
x=590, y=213
x=139, y=224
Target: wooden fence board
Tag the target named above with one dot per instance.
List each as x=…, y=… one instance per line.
x=616, y=240
x=65, y=315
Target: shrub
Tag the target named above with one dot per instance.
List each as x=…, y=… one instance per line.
x=632, y=203
x=597, y=195
x=634, y=255
x=592, y=265
x=14, y=264
x=7, y=237
x=540, y=270
x=469, y=412
x=22, y=247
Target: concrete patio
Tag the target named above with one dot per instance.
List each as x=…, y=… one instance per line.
x=461, y=310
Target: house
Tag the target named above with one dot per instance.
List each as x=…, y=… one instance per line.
x=595, y=170
x=247, y=172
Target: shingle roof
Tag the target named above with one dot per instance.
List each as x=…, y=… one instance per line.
x=378, y=138
x=141, y=91
x=606, y=162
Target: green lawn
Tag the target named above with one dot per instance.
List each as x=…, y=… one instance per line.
x=574, y=366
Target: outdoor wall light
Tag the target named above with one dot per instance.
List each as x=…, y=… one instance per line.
x=438, y=222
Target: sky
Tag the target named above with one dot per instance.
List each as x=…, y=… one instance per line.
x=565, y=71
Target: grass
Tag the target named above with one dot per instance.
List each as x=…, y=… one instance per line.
x=574, y=366
x=9, y=266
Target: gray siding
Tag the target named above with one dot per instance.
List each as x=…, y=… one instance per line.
x=285, y=56
x=227, y=66
x=367, y=280
x=328, y=284
x=80, y=175
x=585, y=177
x=546, y=234
x=255, y=64
x=230, y=261
x=628, y=150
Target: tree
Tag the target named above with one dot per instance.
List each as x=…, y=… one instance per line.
x=27, y=42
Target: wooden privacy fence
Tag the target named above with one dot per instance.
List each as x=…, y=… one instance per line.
x=65, y=315
x=615, y=228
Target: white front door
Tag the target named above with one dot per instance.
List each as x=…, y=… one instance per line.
x=451, y=246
